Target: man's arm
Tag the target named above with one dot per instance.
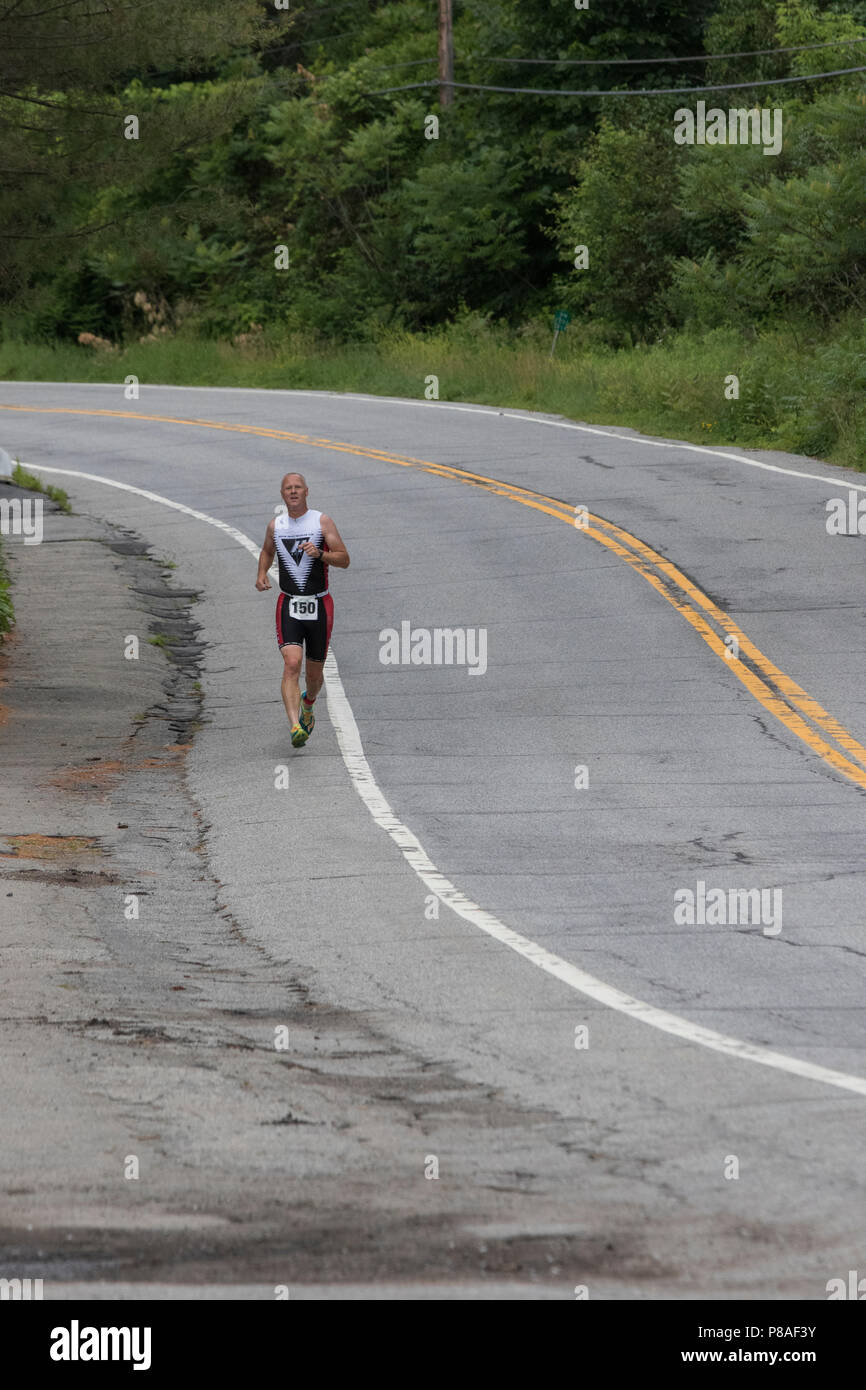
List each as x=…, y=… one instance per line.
x=266, y=559
x=334, y=551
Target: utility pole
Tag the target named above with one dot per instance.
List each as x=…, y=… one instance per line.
x=446, y=53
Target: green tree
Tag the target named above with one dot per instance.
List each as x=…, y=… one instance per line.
x=621, y=210
x=75, y=165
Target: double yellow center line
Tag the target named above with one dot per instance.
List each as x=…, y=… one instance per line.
x=777, y=692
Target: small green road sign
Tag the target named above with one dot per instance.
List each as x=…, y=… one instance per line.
x=560, y=321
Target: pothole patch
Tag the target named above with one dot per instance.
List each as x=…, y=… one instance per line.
x=67, y=878
x=51, y=847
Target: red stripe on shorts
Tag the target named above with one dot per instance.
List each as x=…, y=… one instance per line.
x=329, y=610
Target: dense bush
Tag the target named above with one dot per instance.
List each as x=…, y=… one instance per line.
x=270, y=130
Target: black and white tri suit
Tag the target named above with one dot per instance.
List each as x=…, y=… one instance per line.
x=305, y=609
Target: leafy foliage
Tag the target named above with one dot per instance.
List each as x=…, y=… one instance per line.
x=261, y=129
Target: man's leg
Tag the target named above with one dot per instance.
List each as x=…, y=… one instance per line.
x=314, y=679
x=315, y=665
x=315, y=673
x=289, y=688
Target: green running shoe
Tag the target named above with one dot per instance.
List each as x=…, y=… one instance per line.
x=299, y=735
x=306, y=718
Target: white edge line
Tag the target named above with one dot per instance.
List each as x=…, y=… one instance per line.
x=527, y=418
x=365, y=784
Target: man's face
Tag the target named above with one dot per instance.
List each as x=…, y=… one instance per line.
x=294, y=492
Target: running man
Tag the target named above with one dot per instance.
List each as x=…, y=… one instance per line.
x=304, y=543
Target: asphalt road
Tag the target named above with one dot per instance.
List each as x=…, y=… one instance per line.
x=694, y=776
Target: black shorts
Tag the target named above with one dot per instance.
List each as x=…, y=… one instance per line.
x=314, y=633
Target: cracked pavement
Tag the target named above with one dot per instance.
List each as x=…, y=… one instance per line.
x=406, y=1038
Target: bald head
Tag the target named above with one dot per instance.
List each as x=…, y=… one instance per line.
x=292, y=475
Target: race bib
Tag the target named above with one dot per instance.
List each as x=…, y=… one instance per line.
x=307, y=609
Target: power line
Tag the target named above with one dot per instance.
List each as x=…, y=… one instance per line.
x=584, y=62
x=310, y=42
x=697, y=58
x=412, y=63
x=328, y=9
x=620, y=91
x=315, y=10
x=387, y=67
x=566, y=62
